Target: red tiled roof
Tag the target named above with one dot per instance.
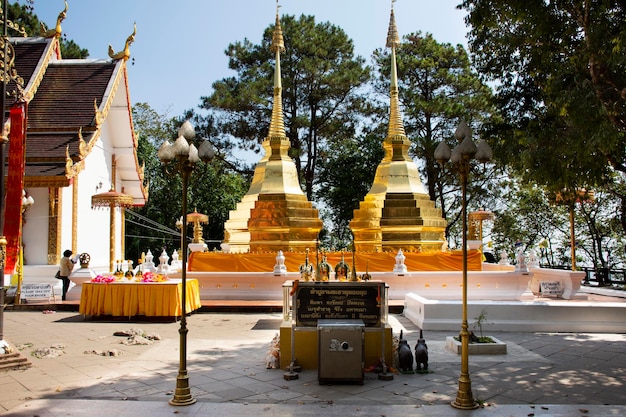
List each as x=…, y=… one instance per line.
x=62, y=104
x=27, y=57
x=65, y=98
x=45, y=146
x=62, y=99
x=48, y=169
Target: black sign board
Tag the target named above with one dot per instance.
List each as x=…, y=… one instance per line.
x=338, y=301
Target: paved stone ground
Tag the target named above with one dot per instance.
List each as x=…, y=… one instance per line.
x=543, y=374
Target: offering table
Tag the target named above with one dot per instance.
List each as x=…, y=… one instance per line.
x=161, y=299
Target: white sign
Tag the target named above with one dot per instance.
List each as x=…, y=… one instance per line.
x=31, y=291
x=551, y=288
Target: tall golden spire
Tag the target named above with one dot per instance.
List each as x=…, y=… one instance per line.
x=397, y=212
x=396, y=127
x=274, y=214
x=277, y=124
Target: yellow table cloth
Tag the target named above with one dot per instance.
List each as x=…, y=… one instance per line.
x=162, y=299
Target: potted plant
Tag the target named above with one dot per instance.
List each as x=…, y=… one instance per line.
x=478, y=345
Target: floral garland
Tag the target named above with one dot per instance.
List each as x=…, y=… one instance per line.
x=147, y=277
x=152, y=277
x=103, y=278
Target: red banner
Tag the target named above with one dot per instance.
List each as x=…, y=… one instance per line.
x=15, y=185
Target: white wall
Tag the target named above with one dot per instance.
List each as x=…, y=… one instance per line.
x=35, y=228
x=93, y=229
x=94, y=224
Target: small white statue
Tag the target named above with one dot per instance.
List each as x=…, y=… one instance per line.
x=504, y=258
x=400, y=267
x=533, y=261
x=176, y=263
x=163, y=266
x=148, y=264
x=521, y=265
x=280, y=268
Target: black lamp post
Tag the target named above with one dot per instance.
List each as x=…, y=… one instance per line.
x=182, y=157
x=461, y=157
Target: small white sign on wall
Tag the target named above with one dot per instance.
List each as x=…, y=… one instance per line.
x=36, y=291
x=551, y=288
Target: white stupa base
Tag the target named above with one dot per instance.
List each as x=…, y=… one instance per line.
x=197, y=247
x=79, y=277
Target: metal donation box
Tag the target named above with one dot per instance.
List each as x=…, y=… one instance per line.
x=341, y=352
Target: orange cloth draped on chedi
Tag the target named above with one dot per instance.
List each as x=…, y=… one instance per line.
x=274, y=214
x=397, y=213
x=371, y=261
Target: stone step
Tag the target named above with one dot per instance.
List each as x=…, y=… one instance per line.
x=12, y=361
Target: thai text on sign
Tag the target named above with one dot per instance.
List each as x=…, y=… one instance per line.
x=338, y=301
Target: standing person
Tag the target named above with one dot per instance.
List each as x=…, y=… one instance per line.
x=66, y=268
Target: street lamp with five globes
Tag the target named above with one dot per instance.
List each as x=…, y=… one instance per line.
x=182, y=156
x=461, y=158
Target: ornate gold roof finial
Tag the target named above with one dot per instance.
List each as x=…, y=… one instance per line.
x=68, y=160
x=57, y=31
x=396, y=127
x=125, y=53
x=82, y=145
x=98, y=119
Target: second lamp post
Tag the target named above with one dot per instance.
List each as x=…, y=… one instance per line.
x=461, y=157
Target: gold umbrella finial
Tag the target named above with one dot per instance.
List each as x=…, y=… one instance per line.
x=393, y=39
x=278, y=42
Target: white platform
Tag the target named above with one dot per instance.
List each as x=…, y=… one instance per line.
x=494, y=282
x=518, y=316
x=441, y=285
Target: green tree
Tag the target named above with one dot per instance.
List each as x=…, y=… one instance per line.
x=321, y=80
x=346, y=174
x=152, y=128
x=71, y=50
x=213, y=188
x=601, y=236
x=560, y=74
x=525, y=216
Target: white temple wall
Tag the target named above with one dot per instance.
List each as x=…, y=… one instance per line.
x=35, y=228
x=93, y=234
x=66, y=219
x=93, y=225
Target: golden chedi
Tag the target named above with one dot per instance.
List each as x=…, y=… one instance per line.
x=397, y=213
x=274, y=214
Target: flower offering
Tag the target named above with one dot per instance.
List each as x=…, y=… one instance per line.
x=104, y=278
x=152, y=277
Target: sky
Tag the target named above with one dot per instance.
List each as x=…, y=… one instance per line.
x=179, y=46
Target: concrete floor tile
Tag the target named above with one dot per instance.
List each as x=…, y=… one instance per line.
x=226, y=366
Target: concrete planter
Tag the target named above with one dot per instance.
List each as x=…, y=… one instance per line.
x=495, y=348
